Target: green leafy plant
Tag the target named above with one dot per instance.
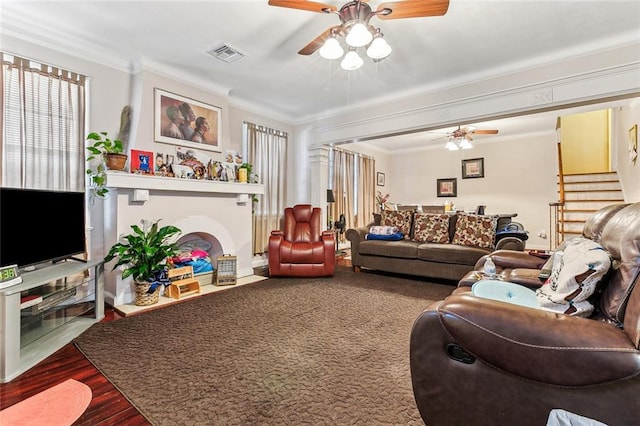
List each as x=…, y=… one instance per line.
x=102, y=146
x=144, y=252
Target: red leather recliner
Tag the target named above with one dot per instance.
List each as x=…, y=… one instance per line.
x=302, y=249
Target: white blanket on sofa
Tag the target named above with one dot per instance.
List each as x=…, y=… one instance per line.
x=576, y=272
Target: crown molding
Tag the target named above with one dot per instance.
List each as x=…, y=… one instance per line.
x=533, y=97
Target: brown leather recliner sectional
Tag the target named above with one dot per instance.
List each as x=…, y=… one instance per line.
x=478, y=361
x=302, y=248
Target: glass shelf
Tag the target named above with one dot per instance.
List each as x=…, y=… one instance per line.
x=58, y=302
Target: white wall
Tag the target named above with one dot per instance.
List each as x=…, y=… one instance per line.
x=629, y=173
x=111, y=89
x=520, y=168
x=519, y=177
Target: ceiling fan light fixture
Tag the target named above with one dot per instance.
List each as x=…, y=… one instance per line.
x=451, y=145
x=352, y=61
x=331, y=49
x=465, y=144
x=379, y=48
x=358, y=35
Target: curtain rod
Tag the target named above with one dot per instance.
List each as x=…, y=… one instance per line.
x=11, y=57
x=267, y=129
x=335, y=148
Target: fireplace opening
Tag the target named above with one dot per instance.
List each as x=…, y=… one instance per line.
x=200, y=250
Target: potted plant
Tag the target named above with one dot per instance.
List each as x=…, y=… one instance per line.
x=111, y=156
x=144, y=254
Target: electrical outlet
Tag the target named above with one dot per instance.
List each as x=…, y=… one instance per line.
x=542, y=234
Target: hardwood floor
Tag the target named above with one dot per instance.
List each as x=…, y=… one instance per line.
x=108, y=406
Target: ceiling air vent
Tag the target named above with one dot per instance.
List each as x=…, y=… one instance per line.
x=225, y=53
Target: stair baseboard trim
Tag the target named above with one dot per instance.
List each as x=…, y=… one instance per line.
x=613, y=200
x=576, y=191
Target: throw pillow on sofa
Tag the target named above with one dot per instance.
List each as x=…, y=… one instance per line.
x=576, y=272
x=475, y=230
x=431, y=228
x=400, y=219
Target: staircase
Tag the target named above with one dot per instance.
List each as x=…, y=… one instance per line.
x=583, y=195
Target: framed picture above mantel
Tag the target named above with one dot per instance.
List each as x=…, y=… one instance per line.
x=183, y=121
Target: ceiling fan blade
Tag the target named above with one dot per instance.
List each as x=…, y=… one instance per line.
x=317, y=42
x=484, y=132
x=311, y=6
x=413, y=8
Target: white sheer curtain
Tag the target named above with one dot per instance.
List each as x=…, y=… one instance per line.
x=351, y=181
x=267, y=152
x=43, y=110
x=366, y=190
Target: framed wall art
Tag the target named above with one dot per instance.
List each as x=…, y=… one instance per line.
x=186, y=122
x=473, y=168
x=447, y=187
x=633, y=144
x=380, y=179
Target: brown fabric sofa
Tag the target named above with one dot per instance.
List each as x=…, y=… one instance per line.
x=434, y=260
x=485, y=362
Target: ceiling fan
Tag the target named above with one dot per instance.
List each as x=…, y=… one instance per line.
x=466, y=132
x=461, y=138
x=356, y=29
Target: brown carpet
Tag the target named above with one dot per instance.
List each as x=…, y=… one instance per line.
x=279, y=352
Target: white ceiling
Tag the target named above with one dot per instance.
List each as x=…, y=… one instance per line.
x=474, y=40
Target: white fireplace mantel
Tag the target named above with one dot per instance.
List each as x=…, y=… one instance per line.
x=222, y=210
x=143, y=183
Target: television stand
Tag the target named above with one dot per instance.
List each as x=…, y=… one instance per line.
x=51, y=307
x=77, y=259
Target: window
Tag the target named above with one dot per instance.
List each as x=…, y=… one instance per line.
x=266, y=150
x=43, y=111
x=351, y=176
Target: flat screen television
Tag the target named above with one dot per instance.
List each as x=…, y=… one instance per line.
x=38, y=226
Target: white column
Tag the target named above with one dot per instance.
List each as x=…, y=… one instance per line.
x=319, y=172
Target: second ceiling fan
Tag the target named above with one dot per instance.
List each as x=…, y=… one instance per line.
x=461, y=137
x=356, y=28
x=466, y=132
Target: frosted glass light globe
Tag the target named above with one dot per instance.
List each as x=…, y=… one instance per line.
x=331, y=49
x=379, y=49
x=352, y=61
x=358, y=36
